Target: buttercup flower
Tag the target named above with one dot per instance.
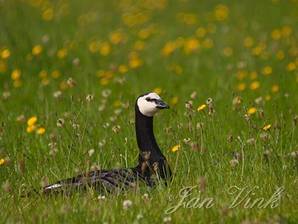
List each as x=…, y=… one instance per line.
x=267, y=127
x=202, y=107
x=31, y=121
x=41, y=131
x=157, y=90
x=2, y=161
x=37, y=49
x=174, y=100
x=175, y=148
x=254, y=85
x=267, y=70
x=5, y=53
x=251, y=111
x=16, y=74
x=127, y=204
x=221, y=12
x=31, y=128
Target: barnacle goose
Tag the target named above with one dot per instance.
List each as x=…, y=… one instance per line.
x=152, y=164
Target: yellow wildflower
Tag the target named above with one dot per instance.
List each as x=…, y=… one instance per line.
x=41, y=131
x=48, y=14
x=267, y=70
x=45, y=82
x=251, y=110
x=267, y=97
x=286, y=31
x=17, y=83
x=190, y=19
x=254, y=85
x=187, y=18
x=94, y=46
x=191, y=45
x=253, y=75
x=32, y=120
x=259, y=49
x=105, y=74
x=31, y=128
x=175, y=148
x=5, y=53
x=241, y=74
x=3, y=66
x=207, y=43
x=133, y=19
x=157, y=90
x=145, y=33
x=280, y=55
x=37, y=49
x=276, y=34
x=2, y=161
x=221, y=12
x=56, y=74
x=174, y=100
x=105, y=48
x=139, y=45
x=291, y=66
x=134, y=61
x=116, y=37
x=275, y=88
x=201, y=32
x=122, y=69
x=227, y=51
x=169, y=48
x=241, y=86
x=43, y=74
x=202, y=107
x=62, y=53
x=117, y=103
x=63, y=85
x=248, y=42
x=267, y=127
x=104, y=81
x=16, y=74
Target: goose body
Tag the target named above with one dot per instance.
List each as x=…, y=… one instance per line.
x=152, y=164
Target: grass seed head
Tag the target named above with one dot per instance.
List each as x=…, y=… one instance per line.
x=234, y=163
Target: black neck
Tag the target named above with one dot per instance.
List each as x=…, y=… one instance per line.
x=148, y=147
x=145, y=136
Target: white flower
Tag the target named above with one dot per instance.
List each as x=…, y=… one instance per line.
x=127, y=204
x=106, y=92
x=57, y=94
x=101, y=107
x=89, y=98
x=91, y=152
x=102, y=143
x=145, y=196
x=140, y=216
x=60, y=122
x=167, y=219
x=101, y=197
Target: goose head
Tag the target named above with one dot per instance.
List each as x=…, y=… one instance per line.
x=150, y=103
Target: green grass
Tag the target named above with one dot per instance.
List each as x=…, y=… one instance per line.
x=29, y=161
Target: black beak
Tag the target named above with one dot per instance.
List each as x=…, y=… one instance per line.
x=161, y=105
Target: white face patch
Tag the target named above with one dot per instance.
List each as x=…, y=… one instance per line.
x=148, y=108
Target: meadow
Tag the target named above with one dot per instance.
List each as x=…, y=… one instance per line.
x=70, y=72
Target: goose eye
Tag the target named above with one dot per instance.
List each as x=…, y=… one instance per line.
x=148, y=99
